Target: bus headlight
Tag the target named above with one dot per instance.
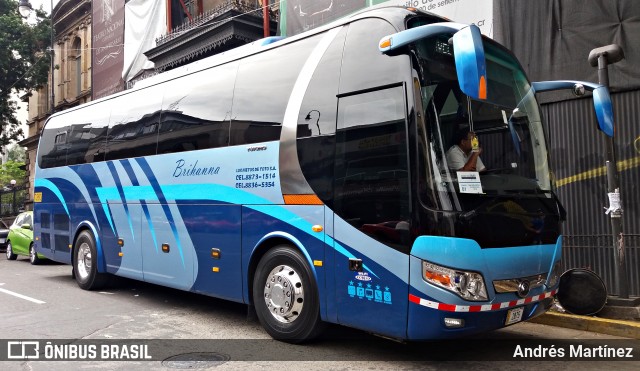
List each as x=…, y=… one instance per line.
x=468, y=285
x=555, y=274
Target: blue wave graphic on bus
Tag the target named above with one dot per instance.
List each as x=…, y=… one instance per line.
x=46, y=183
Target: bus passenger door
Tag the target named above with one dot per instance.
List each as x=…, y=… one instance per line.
x=371, y=205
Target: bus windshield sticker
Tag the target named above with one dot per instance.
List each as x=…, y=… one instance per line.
x=469, y=182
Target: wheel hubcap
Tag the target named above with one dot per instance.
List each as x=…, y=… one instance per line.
x=32, y=254
x=283, y=294
x=84, y=260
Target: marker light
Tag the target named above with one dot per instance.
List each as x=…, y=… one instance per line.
x=468, y=285
x=385, y=43
x=482, y=88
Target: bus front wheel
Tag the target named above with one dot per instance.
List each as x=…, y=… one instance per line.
x=285, y=296
x=85, y=263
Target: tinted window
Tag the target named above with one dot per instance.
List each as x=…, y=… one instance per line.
x=371, y=172
x=318, y=111
x=133, y=125
x=45, y=220
x=262, y=91
x=87, y=136
x=317, y=122
x=61, y=222
x=363, y=65
x=52, y=150
x=196, y=110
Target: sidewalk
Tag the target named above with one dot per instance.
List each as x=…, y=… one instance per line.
x=623, y=328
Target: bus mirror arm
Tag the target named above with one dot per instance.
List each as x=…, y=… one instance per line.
x=601, y=99
x=468, y=52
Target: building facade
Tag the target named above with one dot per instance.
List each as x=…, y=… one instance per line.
x=200, y=28
x=71, y=76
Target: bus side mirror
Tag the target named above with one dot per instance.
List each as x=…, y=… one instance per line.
x=471, y=65
x=467, y=49
x=601, y=99
x=604, y=110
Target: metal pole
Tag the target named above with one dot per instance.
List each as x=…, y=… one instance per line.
x=603, y=57
x=13, y=206
x=53, y=93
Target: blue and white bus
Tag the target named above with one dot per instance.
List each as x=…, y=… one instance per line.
x=307, y=177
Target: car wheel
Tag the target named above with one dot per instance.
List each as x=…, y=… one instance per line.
x=9, y=252
x=85, y=263
x=285, y=296
x=33, y=255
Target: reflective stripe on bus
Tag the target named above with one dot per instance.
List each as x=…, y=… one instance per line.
x=479, y=308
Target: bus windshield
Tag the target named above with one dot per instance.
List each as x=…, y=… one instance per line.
x=513, y=157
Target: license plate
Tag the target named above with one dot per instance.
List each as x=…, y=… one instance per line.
x=514, y=315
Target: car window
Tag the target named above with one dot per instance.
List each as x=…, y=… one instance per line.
x=27, y=220
x=19, y=219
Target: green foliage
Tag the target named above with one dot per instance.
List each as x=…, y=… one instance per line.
x=16, y=153
x=24, y=62
x=12, y=170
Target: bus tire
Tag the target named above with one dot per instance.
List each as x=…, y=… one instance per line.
x=85, y=263
x=285, y=296
x=33, y=256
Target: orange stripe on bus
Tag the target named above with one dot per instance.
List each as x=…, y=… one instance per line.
x=302, y=200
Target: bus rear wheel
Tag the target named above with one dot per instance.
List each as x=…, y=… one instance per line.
x=285, y=296
x=85, y=263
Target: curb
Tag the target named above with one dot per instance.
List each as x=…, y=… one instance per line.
x=628, y=329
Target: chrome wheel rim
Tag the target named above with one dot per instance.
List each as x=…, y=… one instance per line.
x=9, y=251
x=284, y=294
x=84, y=261
x=32, y=254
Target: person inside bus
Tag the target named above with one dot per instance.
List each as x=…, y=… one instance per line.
x=462, y=156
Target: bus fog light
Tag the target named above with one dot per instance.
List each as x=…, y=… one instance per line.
x=468, y=285
x=454, y=322
x=555, y=274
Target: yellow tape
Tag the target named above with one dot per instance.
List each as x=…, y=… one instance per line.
x=600, y=171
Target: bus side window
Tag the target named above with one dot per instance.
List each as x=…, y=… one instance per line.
x=54, y=141
x=196, y=110
x=129, y=134
x=86, y=141
x=363, y=66
x=262, y=92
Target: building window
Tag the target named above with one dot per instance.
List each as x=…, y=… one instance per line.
x=182, y=11
x=76, y=67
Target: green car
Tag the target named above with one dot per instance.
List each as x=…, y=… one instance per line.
x=20, y=238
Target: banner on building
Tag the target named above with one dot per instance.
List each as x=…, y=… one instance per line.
x=108, y=47
x=145, y=21
x=301, y=15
